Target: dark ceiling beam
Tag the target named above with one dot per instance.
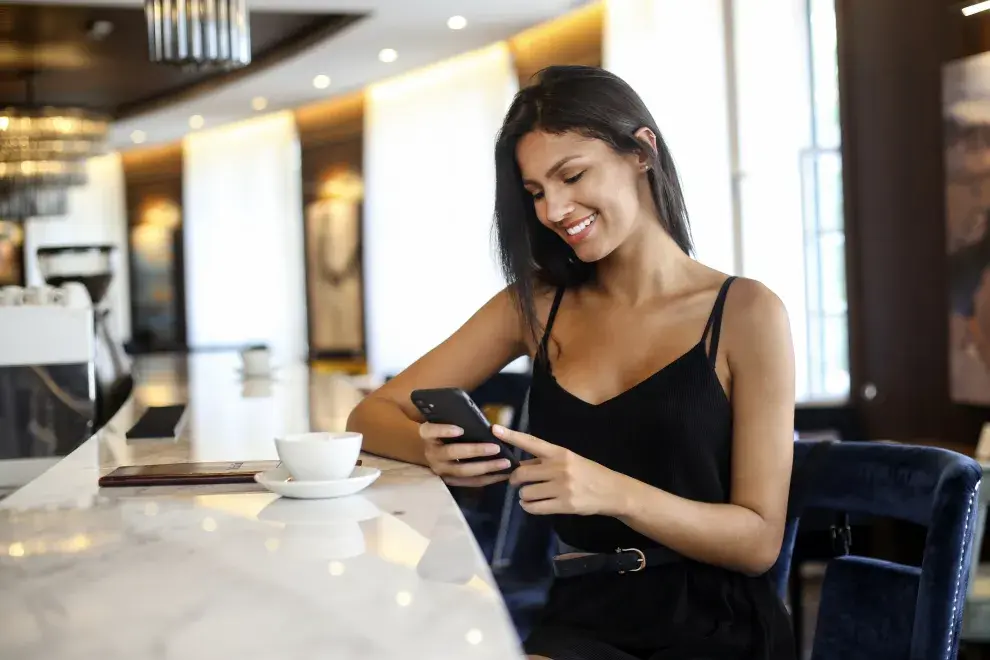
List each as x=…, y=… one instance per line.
x=312, y=35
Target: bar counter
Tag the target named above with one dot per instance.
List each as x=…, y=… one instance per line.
x=234, y=571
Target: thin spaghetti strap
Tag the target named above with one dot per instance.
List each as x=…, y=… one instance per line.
x=546, y=332
x=715, y=320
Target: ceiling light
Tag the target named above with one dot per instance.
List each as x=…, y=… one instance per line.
x=99, y=30
x=259, y=103
x=196, y=122
x=321, y=81
x=137, y=137
x=388, y=55
x=974, y=9
x=457, y=22
x=199, y=33
x=47, y=146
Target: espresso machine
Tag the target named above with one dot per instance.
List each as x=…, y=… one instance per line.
x=92, y=266
x=47, y=385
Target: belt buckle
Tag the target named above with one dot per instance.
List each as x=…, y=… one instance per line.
x=641, y=559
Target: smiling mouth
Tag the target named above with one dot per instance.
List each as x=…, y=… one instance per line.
x=577, y=228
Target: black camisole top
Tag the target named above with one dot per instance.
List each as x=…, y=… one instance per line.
x=672, y=431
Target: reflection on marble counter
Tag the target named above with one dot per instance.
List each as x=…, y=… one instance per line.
x=235, y=571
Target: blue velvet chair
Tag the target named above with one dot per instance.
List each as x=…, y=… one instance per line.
x=976, y=616
x=483, y=507
x=872, y=609
x=781, y=571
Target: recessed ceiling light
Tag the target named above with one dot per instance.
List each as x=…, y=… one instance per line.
x=457, y=22
x=196, y=121
x=259, y=103
x=388, y=55
x=973, y=9
x=321, y=81
x=137, y=137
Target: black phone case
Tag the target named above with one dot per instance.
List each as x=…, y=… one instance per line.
x=451, y=405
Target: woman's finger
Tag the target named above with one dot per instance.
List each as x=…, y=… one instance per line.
x=458, y=451
x=474, y=469
x=536, y=492
x=543, y=507
x=475, y=482
x=532, y=473
x=430, y=431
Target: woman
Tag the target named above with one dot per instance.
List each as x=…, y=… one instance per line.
x=662, y=401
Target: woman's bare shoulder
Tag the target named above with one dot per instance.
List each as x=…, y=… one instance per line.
x=754, y=315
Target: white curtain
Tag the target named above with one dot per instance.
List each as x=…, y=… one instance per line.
x=245, y=277
x=97, y=215
x=673, y=53
x=430, y=186
x=728, y=83
x=773, y=112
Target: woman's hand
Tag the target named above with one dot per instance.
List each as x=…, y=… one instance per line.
x=560, y=481
x=444, y=459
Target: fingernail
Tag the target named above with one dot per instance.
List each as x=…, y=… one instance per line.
x=498, y=429
x=491, y=449
x=504, y=464
x=456, y=431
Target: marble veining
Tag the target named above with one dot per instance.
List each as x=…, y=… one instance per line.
x=236, y=571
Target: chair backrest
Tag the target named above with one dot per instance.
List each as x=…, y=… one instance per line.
x=781, y=571
x=976, y=625
x=877, y=609
x=504, y=389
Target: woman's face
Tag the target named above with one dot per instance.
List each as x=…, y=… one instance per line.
x=584, y=191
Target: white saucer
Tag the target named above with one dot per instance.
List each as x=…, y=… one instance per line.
x=281, y=482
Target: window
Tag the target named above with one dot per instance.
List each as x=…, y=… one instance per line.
x=825, y=263
x=749, y=107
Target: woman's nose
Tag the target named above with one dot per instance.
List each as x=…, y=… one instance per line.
x=558, y=207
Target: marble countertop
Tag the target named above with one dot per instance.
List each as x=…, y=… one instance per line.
x=235, y=571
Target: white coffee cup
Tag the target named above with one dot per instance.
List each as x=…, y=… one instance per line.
x=319, y=456
x=12, y=295
x=43, y=295
x=256, y=361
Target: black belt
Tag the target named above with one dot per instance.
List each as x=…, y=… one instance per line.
x=631, y=560
x=623, y=560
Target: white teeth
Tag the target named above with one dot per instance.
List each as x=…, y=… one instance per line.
x=578, y=228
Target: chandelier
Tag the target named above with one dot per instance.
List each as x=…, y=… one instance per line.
x=43, y=151
x=199, y=33
x=47, y=146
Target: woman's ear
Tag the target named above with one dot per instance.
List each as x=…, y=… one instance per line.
x=648, y=154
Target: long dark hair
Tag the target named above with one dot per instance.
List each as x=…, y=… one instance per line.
x=596, y=104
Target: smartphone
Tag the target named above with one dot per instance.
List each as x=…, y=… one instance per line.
x=452, y=405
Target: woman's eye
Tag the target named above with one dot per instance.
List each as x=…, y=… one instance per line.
x=575, y=178
x=538, y=195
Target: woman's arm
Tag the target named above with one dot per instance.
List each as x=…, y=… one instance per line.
x=488, y=341
x=746, y=533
